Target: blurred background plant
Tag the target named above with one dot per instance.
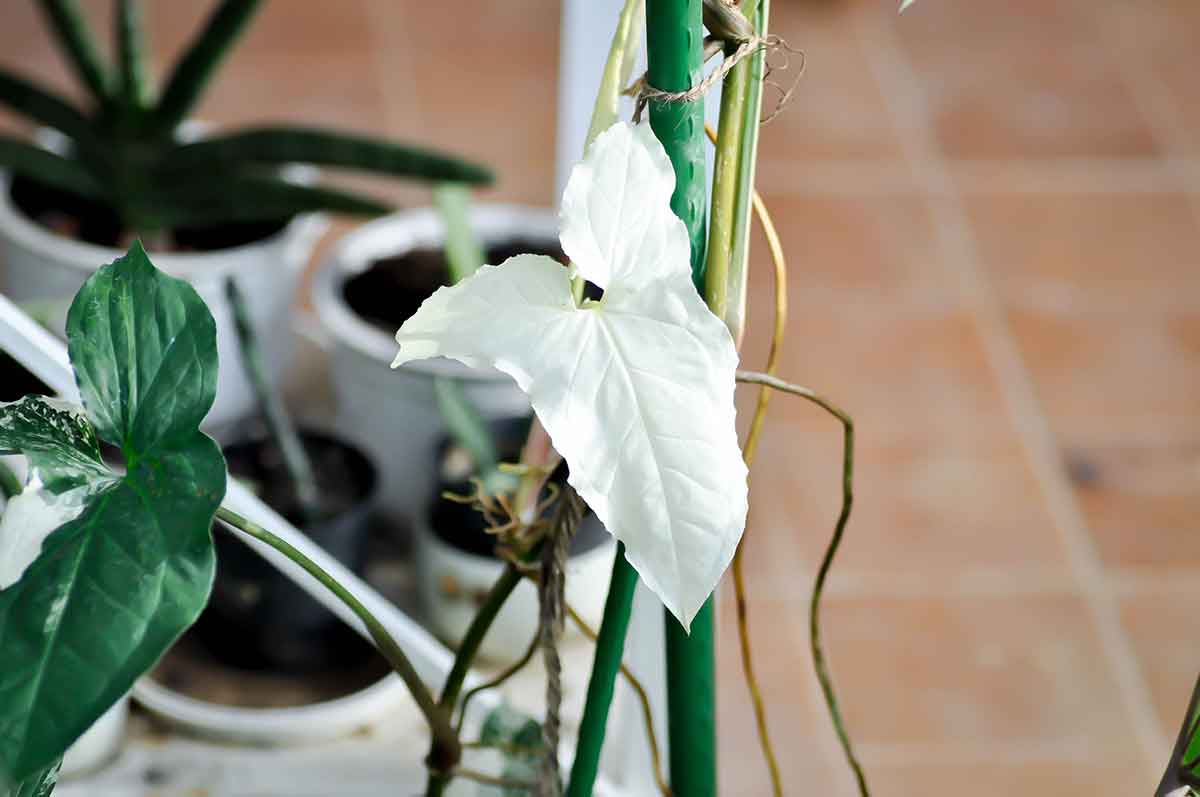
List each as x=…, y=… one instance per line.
x=132, y=166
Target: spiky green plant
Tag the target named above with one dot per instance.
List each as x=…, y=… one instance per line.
x=125, y=153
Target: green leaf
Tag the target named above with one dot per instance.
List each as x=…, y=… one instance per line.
x=47, y=168
x=1184, y=766
x=229, y=198
x=134, y=85
x=56, y=437
x=116, y=585
x=39, y=784
x=75, y=39
x=144, y=350
x=39, y=105
x=280, y=145
x=520, y=738
x=195, y=68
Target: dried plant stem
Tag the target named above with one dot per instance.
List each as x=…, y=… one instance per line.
x=748, y=451
x=492, y=780
x=814, y=612
x=500, y=678
x=660, y=777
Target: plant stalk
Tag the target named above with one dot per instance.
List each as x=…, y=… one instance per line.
x=445, y=740
x=739, y=266
x=736, y=146
x=675, y=42
x=441, y=772
x=279, y=423
x=610, y=649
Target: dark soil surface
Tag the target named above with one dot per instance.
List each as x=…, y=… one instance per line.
x=16, y=382
x=390, y=290
x=87, y=220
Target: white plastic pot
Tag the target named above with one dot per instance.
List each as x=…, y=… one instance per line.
x=316, y=722
x=38, y=265
x=450, y=583
x=393, y=415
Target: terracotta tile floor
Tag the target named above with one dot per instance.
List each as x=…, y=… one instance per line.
x=991, y=211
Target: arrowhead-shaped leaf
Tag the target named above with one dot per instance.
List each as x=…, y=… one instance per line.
x=126, y=560
x=636, y=390
x=1183, y=770
x=39, y=784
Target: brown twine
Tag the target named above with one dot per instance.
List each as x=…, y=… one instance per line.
x=771, y=43
x=785, y=95
x=551, y=584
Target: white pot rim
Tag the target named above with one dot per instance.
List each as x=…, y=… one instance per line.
x=88, y=257
x=396, y=234
x=294, y=725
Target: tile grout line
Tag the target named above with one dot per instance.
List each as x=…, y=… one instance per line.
x=1160, y=112
x=902, y=92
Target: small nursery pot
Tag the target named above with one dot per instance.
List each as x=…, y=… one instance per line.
x=38, y=264
x=456, y=565
x=372, y=282
x=257, y=617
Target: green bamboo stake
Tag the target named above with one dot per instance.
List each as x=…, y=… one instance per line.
x=675, y=41
x=674, y=55
x=610, y=648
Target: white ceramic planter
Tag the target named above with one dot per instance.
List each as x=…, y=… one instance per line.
x=37, y=265
x=451, y=582
x=393, y=415
x=99, y=744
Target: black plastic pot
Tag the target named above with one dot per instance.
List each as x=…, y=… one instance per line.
x=257, y=617
x=461, y=525
x=16, y=382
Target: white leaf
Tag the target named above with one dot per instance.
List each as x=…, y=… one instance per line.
x=904, y=4
x=617, y=224
x=636, y=390
x=28, y=519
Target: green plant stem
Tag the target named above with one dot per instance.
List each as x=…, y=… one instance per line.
x=445, y=740
x=675, y=52
x=732, y=178
x=440, y=771
x=610, y=648
x=739, y=267
x=10, y=485
x=726, y=170
x=464, y=255
x=279, y=423
x=76, y=41
x=617, y=69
